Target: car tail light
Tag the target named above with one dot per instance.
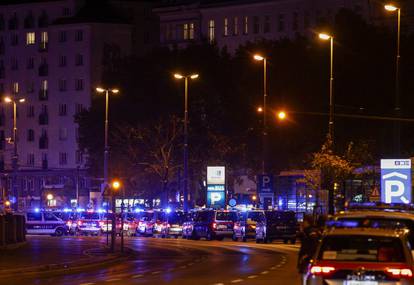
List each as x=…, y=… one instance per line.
x=69, y=223
x=79, y=223
x=400, y=272
x=214, y=225
x=101, y=224
x=321, y=270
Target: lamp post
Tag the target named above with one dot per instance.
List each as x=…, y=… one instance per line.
x=263, y=110
x=115, y=187
x=15, y=155
x=397, y=107
x=49, y=198
x=327, y=37
x=185, y=188
x=106, y=149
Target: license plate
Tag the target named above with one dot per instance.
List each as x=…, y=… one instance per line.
x=221, y=227
x=353, y=282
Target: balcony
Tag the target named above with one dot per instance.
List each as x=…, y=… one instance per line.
x=43, y=46
x=43, y=119
x=43, y=95
x=43, y=144
x=43, y=70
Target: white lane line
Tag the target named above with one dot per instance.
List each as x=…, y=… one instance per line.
x=264, y=272
x=218, y=284
x=252, y=276
x=90, y=283
x=113, y=280
x=236, y=281
x=137, y=276
x=183, y=266
x=273, y=268
x=155, y=272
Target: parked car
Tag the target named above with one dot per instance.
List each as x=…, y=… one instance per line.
x=145, y=224
x=277, y=225
x=89, y=223
x=245, y=226
x=70, y=218
x=169, y=224
x=188, y=225
x=44, y=223
x=362, y=256
x=213, y=224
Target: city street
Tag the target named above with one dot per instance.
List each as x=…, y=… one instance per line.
x=177, y=261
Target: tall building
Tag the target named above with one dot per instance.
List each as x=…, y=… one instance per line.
x=233, y=23
x=52, y=54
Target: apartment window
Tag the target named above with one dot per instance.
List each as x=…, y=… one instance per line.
x=30, y=63
x=30, y=159
x=30, y=111
x=78, y=108
x=79, y=84
x=79, y=157
x=44, y=160
x=62, y=110
x=63, y=36
x=30, y=38
x=15, y=87
x=185, y=31
x=235, y=26
x=281, y=25
x=44, y=85
x=63, y=134
x=211, y=31
x=13, y=22
x=63, y=158
x=295, y=21
x=266, y=27
x=30, y=87
x=256, y=25
x=191, y=31
x=43, y=20
x=29, y=21
x=62, y=61
x=14, y=64
x=79, y=60
x=65, y=11
x=14, y=39
x=44, y=37
x=62, y=85
x=245, y=25
x=306, y=20
x=79, y=35
x=30, y=135
x=226, y=27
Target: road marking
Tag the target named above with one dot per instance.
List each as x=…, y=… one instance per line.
x=183, y=266
x=90, y=283
x=155, y=272
x=191, y=263
x=264, y=272
x=218, y=284
x=273, y=268
x=236, y=281
x=137, y=276
x=252, y=276
x=113, y=280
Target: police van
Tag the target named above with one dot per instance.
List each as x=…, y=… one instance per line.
x=44, y=223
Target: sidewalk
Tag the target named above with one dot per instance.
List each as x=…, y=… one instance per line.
x=45, y=253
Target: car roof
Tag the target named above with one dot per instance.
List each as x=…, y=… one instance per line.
x=365, y=232
x=377, y=214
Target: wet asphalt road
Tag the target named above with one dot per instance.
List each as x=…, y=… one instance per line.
x=186, y=262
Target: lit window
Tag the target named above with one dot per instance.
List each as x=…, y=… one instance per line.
x=191, y=35
x=15, y=87
x=211, y=31
x=44, y=38
x=226, y=27
x=185, y=30
x=235, y=26
x=44, y=85
x=30, y=38
x=246, y=25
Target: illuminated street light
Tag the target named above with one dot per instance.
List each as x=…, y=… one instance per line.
x=116, y=185
x=49, y=197
x=397, y=107
x=324, y=36
x=7, y=203
x=281, y=115
x=15, y=158
x=254, y=197
x=259, y=109
x=258, y=57
x=185, y=186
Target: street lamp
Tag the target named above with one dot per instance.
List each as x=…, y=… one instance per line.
x=281, y=115
x=185, y=188
x=114, y=187
x=259, y=57
x=106, y=150
x=326, y=37
x=397, y=108
x=15, y=101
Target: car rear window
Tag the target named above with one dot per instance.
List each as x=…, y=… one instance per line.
x=90, y=216
x=361, y=248
x=255, y=216
x=176, y=218
x=226, y=216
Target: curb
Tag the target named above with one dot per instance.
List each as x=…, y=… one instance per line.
x=67, y=267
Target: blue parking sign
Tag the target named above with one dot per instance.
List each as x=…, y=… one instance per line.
x=216, y=199
x=396, y=181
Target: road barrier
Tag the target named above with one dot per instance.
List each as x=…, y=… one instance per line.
x=12, y=230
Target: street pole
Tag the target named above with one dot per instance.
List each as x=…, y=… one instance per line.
x=113, y=231
x=15, y=158
x=106, y=150
x=185, y=180
x=397, y=109
x=331, y=96
x=264, y=151
x=122, y=220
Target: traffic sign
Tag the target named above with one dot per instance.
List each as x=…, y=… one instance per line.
x=396, y=181
x=265, y=183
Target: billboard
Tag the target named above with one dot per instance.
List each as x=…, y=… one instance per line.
x=216, y=187
x=396, y=181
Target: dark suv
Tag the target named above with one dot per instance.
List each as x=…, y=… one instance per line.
x=277, y=225
x=212, y=224
x=245, y=227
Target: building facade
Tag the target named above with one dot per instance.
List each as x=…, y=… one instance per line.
x=231, y=24
x=53, y=58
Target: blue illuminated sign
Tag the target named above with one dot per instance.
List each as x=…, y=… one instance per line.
x=265, y=183
x=396, y=181
x=216, y=199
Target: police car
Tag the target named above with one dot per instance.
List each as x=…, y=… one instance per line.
x=44, y=223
